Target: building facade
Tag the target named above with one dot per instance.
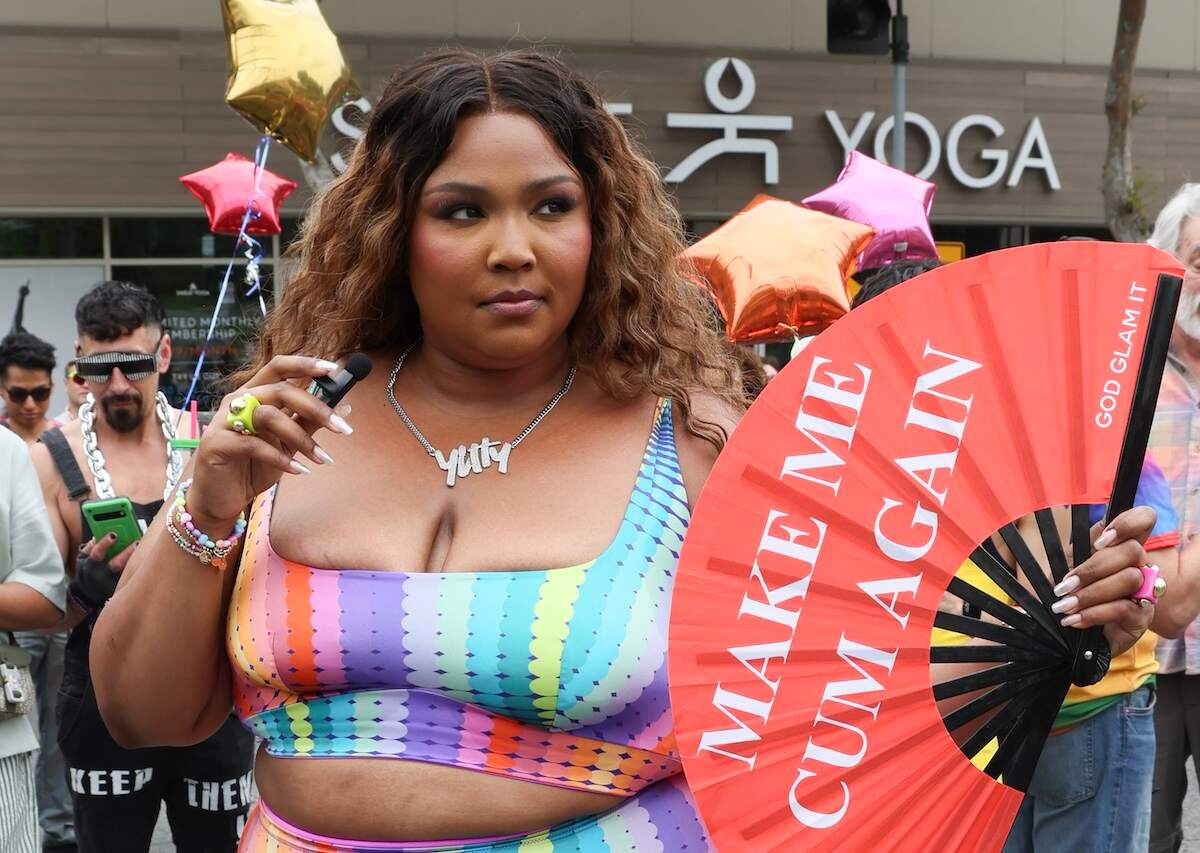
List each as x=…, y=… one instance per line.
x=105, y=103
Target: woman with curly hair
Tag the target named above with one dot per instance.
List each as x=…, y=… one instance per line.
x=455, y=637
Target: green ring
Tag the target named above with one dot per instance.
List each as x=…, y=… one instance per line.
x=243, y=421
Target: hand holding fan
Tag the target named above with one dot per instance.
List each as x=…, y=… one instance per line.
x=867, y=472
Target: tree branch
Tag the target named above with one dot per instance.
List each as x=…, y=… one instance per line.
x=1124, y=211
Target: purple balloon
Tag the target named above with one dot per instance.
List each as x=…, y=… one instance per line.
x=894, y=203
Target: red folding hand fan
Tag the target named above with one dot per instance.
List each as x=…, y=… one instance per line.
x=909, y=432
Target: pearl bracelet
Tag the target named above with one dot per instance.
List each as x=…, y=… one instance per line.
x=195, y=542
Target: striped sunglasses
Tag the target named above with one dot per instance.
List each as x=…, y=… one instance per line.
x=134, y=365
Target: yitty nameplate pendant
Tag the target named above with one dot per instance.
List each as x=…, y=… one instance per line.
x=464, y=460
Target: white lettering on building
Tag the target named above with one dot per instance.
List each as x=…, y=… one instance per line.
x=1033, y=153
x=355, y=132
x=347, y=128
x=730, y=142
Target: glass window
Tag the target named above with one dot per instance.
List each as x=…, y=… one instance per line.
x=51, y=237
x=170, y=237
x=1050, y=233
x=187, y=294
x=978, y=238
x=694, y=229
x=291, y=230
x=779, y=354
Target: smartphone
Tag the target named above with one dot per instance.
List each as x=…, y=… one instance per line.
x=113, y=515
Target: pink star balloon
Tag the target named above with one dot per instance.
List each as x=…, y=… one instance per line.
x=225, y=188
x=894, y=203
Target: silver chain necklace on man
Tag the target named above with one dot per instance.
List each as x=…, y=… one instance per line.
x=95, y=459
x=462, y=460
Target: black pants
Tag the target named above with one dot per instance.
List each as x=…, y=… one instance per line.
x=1177, y=732
x=117, y=792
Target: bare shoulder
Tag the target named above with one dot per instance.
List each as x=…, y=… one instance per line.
x=47, y=473
x=697, y=455
x=73, y=433
x=43, y=463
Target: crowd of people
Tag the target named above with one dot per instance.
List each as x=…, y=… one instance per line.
x=92, y=794
x=424, y=656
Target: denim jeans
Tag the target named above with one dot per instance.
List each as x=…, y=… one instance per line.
x=55, y=813
x=1091, y=790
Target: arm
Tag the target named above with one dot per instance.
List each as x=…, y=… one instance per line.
x=1179, y=606
x=52, y=490
x=32, y=595
x=23, y=608
x=696, y=455
x=50, y=483
x=168, y=614
x=1179, y=564
x=166, y=617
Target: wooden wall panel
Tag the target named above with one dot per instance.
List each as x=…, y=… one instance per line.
x=110, y=119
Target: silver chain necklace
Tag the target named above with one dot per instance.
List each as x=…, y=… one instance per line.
x=463, y=460
x=95, y=459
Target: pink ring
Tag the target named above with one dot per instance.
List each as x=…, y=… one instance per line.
x=1152, y=586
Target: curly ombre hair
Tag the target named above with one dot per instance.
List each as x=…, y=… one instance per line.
x=641, y=326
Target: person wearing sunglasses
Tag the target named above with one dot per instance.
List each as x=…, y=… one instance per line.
x=120, y=445
x=76, y=388
x=26, y=371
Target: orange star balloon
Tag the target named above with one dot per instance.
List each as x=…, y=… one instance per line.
x=286, y=71
x=777, y=269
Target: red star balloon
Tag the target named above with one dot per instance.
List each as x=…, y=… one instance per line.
x=225, y=188
x=894, y=203
x=777, y=269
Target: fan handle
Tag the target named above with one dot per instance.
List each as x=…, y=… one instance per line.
x=1145, y=395
x=1092, y=655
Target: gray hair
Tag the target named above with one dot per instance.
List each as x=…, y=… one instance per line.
x=1183, y=205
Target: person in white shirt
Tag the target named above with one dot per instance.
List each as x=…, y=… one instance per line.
x=32, y=596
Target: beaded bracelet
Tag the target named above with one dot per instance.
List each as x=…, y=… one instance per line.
x=195, y=542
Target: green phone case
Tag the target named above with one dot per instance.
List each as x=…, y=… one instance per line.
x=113, y=515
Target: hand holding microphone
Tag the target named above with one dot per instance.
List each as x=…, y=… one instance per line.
x=260, y=429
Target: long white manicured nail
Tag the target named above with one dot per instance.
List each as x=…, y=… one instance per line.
x=1073, y=619
x=1069, y=584
x=343, y=409
x=320, y=453
x=1106, y=538
x=327, y=366
x=340, y=425
x=1065, y=604
x=298, y=468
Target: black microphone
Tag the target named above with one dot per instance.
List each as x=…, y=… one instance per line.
x=331, y=389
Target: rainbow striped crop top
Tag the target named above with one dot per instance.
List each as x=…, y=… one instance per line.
x=556, y=676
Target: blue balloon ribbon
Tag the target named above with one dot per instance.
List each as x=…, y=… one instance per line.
x=253, y=255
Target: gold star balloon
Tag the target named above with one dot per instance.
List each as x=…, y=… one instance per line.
x=286, y=71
